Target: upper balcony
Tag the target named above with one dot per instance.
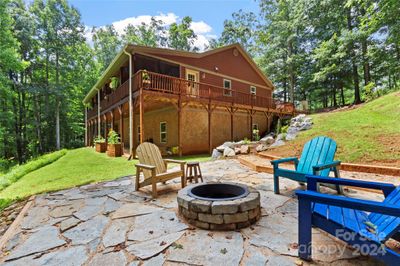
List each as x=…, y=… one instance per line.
x=177, y=87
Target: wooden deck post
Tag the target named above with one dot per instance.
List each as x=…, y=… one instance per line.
x=141, y=115
x=98, y=114
x=105, y=126
x=121, y=125
x=180, y=125
x=86, y=128
x=112, y=119
x=209, y=129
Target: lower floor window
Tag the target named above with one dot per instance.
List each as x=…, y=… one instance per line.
x=163, y=132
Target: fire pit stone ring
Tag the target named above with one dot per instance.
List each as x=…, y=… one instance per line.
x=219, y=206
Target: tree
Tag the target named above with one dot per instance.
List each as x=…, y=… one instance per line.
x=151, y=35
x=106, y=43
x=181, y=36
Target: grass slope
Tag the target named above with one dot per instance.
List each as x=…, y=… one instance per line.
x=368, y=134
x=77, y=167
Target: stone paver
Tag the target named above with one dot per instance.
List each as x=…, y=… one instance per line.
x=44, y=239
x=152, y=247
x=112, y=224
x=87, y=231
x=112, y=258
x=155, y=224
x=133, y=209
x=116, y=232
x=205, y=248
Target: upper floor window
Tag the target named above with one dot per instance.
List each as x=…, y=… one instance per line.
x=253, y=90
x=163, y=132
x=227, y=87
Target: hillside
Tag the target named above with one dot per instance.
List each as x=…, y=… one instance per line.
x=368, y=134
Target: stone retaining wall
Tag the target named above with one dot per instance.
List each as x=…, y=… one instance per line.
x=220, y=215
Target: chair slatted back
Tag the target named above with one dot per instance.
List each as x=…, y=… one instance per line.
x=387, y=225
x=148, y=153
x=317, y=151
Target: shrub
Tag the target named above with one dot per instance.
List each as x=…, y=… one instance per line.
x=4, y=203
x=284, y=129
x=99, y=139
x=113, y=137
x=369, y=92
x=20, y=170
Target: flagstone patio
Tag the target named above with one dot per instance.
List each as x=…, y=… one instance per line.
x=111, y=224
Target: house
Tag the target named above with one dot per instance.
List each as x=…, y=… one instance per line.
x=185, y=101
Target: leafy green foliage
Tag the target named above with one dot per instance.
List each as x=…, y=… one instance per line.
x=19, y=171
x=181, y=36
x=113, y=137
x=99, y=139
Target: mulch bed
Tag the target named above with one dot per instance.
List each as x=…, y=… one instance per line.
x=9, y=214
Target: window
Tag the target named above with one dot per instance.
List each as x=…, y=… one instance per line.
x=138, y=134
x=253, y=90
x=163, y=132
x=227, y=87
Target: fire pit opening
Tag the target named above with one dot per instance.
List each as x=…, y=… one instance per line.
x=219, y=192
x=219, y=206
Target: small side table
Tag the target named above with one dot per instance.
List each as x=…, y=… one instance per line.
x=193, y=171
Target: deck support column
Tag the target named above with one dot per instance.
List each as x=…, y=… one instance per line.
x=98, y=114
x=121, y=125
x=130, y=104
x=232, y=112
x=112, y=119
x=180, y=125
x=86, y=128
x=105, y=126
x=141, y=115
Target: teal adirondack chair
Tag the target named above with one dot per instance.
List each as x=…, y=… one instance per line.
x=317, y=158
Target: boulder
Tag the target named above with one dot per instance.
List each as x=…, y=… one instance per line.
x=305, y=126
x=267, y=140
x=277, y=143
x=237, y=150
x=281, y=136
x=261, y=147
x=216, y=154
x=227, y=144
x=228, y=152
x=291, y=136
x=244, y=149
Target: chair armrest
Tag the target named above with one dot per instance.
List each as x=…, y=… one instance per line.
x=284, y=160
x=351, y=203
x=312, y=181
x=174, y=161
x=145, y=166
x=320, y=167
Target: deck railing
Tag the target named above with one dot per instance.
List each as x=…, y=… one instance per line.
x=167, y=84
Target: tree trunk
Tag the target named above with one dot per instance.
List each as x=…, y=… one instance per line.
x=357, y=97
x=58, y=103
x=291, y=71
x=366, y=67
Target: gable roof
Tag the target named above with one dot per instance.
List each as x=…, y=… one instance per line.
x=121, y=57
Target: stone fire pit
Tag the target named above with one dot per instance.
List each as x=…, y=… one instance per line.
x=219, y=206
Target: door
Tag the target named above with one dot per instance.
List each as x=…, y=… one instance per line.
x=193, y=86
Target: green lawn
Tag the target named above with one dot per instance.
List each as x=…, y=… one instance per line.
x=367, y=134
x=77, y=167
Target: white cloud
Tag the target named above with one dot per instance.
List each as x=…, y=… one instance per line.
x=167, y=19
x=200, y=28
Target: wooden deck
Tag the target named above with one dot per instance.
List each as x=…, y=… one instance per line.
x=158, y=85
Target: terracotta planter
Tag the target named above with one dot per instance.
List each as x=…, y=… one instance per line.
x=114, y=150
x=101, y=146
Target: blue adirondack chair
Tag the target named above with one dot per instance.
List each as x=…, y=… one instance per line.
x=366, y=225
x=317, y=158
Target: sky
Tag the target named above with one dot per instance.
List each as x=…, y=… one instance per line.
x=208, y=15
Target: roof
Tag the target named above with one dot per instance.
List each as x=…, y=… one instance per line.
x=121, y=57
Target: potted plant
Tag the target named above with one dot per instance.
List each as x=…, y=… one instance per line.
x=145, y=78
x=114, y=83
x=114, y=147
x=100, y=144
